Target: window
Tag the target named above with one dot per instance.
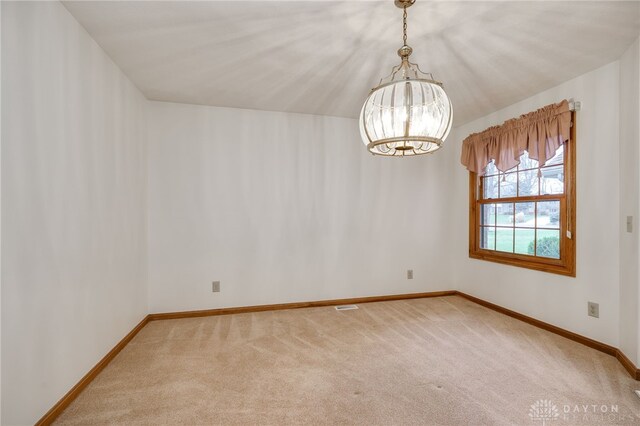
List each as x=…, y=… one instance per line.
x=526, y=215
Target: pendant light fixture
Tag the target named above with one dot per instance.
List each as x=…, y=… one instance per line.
x=408, y=113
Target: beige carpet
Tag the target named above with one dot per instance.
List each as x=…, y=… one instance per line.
x=425, y=361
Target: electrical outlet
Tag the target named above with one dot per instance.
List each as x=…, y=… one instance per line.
x=593, y=309
x=215, y=286
x=409, y=274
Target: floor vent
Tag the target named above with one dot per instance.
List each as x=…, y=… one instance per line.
x=346, y=307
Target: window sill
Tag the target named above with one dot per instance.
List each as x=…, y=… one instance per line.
x=553, y=267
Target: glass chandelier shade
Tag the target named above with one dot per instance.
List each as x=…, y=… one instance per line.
x=408, y=113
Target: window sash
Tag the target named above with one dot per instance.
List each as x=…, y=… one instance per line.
x=525, y=257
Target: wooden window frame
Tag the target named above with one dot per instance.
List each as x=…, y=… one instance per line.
x=566, y=265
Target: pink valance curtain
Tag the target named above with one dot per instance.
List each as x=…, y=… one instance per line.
x=540, y=133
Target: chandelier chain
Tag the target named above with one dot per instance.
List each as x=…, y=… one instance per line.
x=404, y=25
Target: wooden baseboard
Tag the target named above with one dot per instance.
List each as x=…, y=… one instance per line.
x=297, y=305
x=64, y=402
x=602, y=347
x=628, y=364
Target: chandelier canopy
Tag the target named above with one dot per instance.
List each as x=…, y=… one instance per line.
x=408, y=113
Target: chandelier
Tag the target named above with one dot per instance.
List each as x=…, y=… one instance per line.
x=408, y=113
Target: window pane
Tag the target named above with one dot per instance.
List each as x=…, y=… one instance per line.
x=508, y=185
x=524, y=241
x=488, y=237
x=528, y=182
x=488, y=214
x=504, y=214
x=526, y=162
x=548, y=214
x=552, y=181
x=504, y=239
x=525, y=215
x=548, y=243
x=491, y=169
x=558, y=158
x=490, y=186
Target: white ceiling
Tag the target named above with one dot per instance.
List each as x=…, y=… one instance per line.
x=322, y=57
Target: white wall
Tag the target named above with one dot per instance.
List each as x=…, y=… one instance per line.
x=629, y=200
x=556, y=299
x=73, y=207
x=285, y=207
